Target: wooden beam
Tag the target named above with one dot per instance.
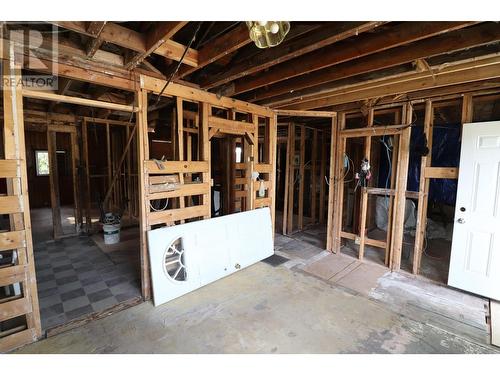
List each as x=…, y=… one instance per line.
x=177, y=214
x=86, y=181
x=272, y=146
x=15, y=148
x=143, y=181
x=331, y=183
x=399, y=35
x=369, y=241
x=314, y=153
x=324, y=79
x=182, y=191
x=467, y=109
x=339, y=184
x=441, y=172
x=79, y=101
x=161, y=33
x=291, y=183
x=174, y=166
x=376, y=131
x=218, y=48
x=135, y=41
x=10, y=205
x=423, y=190
x=179, y=111
x=155, y=85
x=322, y=175
x=479, y=69
x=287, y=178
x=204, y=145
x=293, y=113
x=54, y=185
x=301, y=176
x=230, y=126
x=400, y=199
x=289, y=50
x=9, y=168
x=364, y=194
x=95, y=29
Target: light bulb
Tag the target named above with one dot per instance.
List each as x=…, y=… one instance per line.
x=275, y=28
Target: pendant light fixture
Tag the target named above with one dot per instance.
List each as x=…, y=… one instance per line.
x=267, y=34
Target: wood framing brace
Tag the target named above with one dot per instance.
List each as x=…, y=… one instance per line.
x=178, y=191
x=332, y=184
x=400, y=198
x=17, y=242
x=392, y=246
x=479, y=69
x=173, y=159
x=427, y=172
x=315, y=161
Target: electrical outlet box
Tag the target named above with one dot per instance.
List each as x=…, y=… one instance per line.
x=357, y=240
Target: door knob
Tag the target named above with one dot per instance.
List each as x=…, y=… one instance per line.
x=461, y=220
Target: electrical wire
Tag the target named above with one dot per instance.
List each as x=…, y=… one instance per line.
x=299, y=176
x=174, y=72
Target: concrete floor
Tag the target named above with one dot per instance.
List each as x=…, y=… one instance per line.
x=290, y=309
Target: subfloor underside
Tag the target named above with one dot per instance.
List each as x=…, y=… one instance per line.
x=310, y=302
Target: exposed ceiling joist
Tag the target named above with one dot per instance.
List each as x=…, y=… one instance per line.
x=289, y=50
x=404, y=33
x=485, y=87
x=135, y=41
x=219, y=47
x=324, y=80
x=475, y=70
x=160, y=34
x=95, y=28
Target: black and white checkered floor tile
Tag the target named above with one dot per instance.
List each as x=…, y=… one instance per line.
x=75, y=278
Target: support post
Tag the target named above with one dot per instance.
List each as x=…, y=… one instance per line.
x=338, y=184
x=204, y=140
x=287, y=178
x=85, y=146
x=180, y=149
x=143, y=182
x=314, y=152
x=331, y=184
x=54, y=185
x=322, y=181
x=15, y=149
x=364, y=193
x=400, y=197
x=301, y=176
x=423, y=190
x=291, y=184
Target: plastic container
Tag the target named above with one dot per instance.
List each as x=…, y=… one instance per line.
x=111, y=233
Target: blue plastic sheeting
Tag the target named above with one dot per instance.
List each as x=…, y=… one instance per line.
x=445, y=153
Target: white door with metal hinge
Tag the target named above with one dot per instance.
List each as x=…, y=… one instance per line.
x=475, y=254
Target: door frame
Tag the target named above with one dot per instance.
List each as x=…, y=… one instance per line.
x=52, y=131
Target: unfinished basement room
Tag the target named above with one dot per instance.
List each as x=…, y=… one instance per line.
x=302, y=186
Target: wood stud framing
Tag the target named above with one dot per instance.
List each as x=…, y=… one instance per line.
x=184, y=185
x=18, y=239
x=295, y=171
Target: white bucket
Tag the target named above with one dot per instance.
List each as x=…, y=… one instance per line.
x=111, y=233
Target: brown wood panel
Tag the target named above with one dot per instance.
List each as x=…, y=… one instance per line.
x=12, y=240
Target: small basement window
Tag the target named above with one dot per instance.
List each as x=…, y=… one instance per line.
x=42, y=163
